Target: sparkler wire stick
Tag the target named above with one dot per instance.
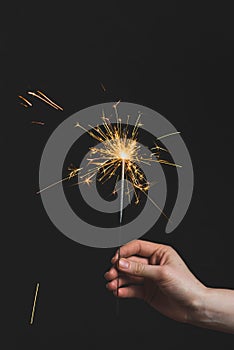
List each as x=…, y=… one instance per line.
x=120, y=218
x=122, y=191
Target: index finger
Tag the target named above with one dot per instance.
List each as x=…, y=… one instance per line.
x=137, y=247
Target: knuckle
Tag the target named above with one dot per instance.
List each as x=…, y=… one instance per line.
x=166, y=274
x=138, y=268
x=169, y=248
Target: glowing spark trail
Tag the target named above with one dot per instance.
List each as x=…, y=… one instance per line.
x=103, y=87
x=25, y=100
x=37, y=122
x=45, y=99
x=34, y=304
x=73, y=172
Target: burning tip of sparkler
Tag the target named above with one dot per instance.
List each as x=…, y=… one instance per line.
x=123, y=155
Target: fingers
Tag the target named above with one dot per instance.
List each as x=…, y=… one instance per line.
x=138, y=247
x=123, y=281
x=141, y=270
x=113, y=272
x=130, y=292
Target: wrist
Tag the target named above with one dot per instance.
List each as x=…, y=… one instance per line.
x=197, y=313
x=214, y=309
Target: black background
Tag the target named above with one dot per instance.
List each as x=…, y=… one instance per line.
x=174, y=57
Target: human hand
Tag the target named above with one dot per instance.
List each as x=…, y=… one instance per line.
x=157, y=274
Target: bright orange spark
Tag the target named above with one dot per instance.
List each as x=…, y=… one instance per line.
x=45, y=99
x=25, y=100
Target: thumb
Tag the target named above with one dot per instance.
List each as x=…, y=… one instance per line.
x=139, y=269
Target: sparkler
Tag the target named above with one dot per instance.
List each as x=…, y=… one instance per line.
x=119, y=148
x=118, y=152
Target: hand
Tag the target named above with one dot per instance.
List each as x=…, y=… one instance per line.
x=157, y=274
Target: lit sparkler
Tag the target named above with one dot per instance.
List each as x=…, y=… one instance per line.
x=120, y=149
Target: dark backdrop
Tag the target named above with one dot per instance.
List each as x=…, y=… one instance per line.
x=174, y=57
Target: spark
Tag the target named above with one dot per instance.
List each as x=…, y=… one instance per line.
x=37, y=122
x=103, y=87
x=25, y=100
x=34, y=304
x=40, y=95
x=73, y=172
x=24, y=104
x=47, y=98
x=163, y=136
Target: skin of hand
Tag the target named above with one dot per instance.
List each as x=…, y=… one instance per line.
x=157, y=274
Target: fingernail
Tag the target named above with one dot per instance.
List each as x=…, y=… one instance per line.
x=124, y=263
